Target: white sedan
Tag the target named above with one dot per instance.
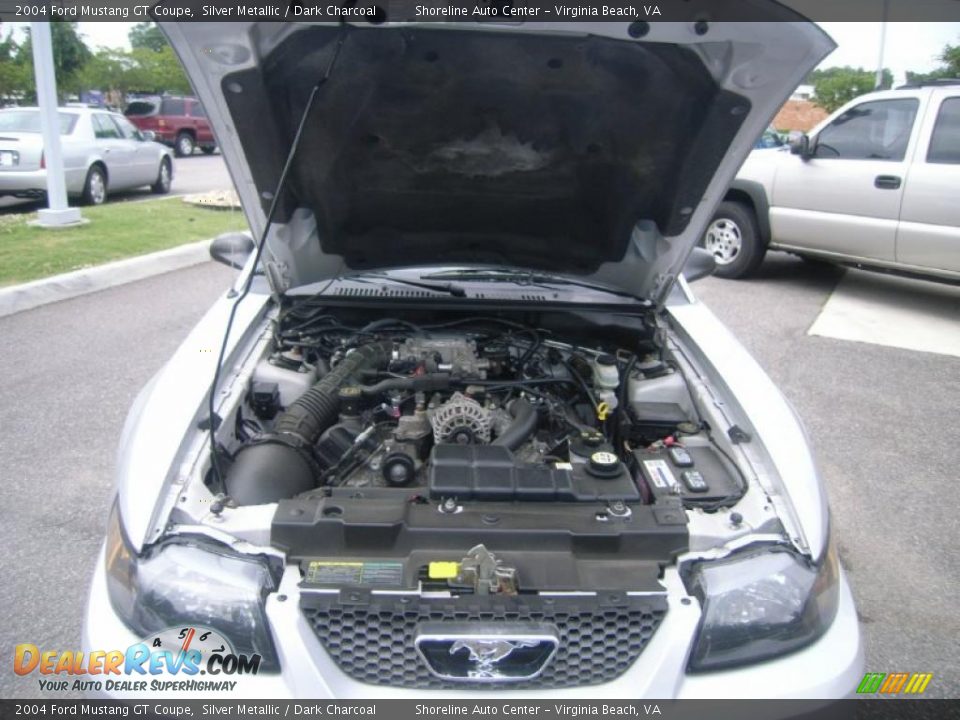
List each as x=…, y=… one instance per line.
x=102, y=152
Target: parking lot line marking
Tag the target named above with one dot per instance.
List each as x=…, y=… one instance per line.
x=892, y=311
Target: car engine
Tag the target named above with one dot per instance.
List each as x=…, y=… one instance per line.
x=468, y=409
x=419, y=437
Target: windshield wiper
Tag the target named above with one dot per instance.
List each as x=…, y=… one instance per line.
x=449, y=288
x=520, y=277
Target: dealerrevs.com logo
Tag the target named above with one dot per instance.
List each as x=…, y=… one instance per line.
x=170, y=660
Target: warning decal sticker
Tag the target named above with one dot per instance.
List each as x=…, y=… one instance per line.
x=327, y=572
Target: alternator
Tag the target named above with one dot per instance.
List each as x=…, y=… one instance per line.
x=462, y=421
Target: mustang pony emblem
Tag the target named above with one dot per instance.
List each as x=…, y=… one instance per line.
x=487, y=653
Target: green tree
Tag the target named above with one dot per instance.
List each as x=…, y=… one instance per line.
x=833, y=87
x=109, y=69
x=950, y=57
x=141, y=70
x=950, y=68
x=147, y=35
x=15, y=80
x=158, y=72
x=70, y=53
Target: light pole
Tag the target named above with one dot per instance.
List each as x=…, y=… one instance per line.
x=878, y=82
x=57, y=213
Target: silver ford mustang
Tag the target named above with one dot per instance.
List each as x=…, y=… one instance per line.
x=469, y=426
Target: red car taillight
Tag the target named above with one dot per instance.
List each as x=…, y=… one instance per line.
x=43, y=161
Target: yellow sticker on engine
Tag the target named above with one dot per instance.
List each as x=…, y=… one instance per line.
x=443, y=570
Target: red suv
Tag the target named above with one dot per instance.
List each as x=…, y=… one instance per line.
x=179, y=122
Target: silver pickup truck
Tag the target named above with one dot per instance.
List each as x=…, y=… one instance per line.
x=877, y=185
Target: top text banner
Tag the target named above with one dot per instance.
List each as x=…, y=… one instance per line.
x=697, y=12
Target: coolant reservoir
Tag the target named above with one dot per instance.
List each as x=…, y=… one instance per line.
x=292, y=383
x=663, y=399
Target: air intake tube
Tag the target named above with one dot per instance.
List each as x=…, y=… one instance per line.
x=523, y=426
x=280, y=465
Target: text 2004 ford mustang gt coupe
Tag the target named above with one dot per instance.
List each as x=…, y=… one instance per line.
x=471, y=429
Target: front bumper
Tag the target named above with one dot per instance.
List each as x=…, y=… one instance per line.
x=829, y=668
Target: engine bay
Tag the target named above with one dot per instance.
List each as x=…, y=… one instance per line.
x=458, y=438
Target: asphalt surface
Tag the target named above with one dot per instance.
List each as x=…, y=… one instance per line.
x=195, y=174
x=883, y=421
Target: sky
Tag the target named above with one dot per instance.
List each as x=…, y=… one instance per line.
x=909, y=46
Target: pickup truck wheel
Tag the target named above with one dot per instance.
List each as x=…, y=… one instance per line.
x=162, y=184
x=184, y=145
x=209, y=149
x=733, y=241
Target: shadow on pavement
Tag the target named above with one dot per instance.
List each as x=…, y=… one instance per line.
x=782, y=267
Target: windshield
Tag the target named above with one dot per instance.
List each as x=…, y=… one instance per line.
x=28, y=121
x=140, y=107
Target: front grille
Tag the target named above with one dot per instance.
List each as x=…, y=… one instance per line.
x=373, y=640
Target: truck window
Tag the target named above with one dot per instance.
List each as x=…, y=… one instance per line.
x=877, y=130
x=170, y=106
x=945, y=141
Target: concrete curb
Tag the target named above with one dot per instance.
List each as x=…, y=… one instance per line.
x=18, y=298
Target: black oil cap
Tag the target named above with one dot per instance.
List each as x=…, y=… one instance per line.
x=604, y=464
x=587, y=443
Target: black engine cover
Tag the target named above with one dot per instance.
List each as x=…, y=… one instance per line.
x=490, y=472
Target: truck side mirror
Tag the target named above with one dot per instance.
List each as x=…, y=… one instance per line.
x=800, y=144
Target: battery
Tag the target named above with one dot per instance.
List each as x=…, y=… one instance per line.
x=697, y=475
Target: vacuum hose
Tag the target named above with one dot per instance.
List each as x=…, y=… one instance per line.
x=280, y=465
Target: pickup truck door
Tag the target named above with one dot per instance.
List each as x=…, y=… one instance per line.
x=845, y=199
x=929, y=232
x=200, y=123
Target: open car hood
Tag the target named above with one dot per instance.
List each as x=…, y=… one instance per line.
x=570, y=147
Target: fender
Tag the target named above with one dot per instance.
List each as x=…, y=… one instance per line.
x=755, y=194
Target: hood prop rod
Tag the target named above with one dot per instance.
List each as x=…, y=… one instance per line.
x=213, y=420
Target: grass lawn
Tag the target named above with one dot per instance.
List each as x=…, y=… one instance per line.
x=115, y=231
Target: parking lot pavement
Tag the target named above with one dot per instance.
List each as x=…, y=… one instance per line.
x=200, y=173
x=70, y=371
x=893, y=311
x=195, y=174
x=882, y=419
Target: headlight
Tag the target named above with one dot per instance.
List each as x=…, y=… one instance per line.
x=760, y=604
x=195, y=584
